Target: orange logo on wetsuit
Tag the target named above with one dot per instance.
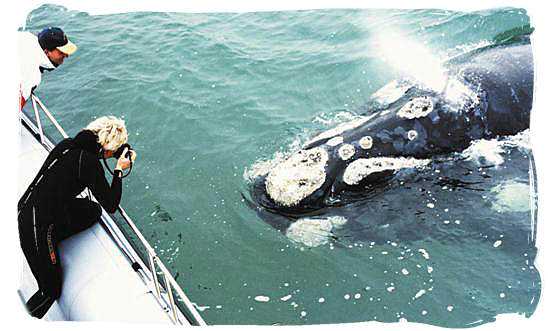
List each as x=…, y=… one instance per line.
x=52, y=256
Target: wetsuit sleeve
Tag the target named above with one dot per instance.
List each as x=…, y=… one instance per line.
x=108, y=196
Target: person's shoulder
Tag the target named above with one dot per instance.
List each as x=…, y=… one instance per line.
x=89, y=162
x=26, y=38
x=26, y=34
x=30, y=55
x=89, y=156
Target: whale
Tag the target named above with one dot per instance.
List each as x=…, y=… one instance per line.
x=488, y=94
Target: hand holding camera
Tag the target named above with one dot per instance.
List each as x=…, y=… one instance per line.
x=126, y=156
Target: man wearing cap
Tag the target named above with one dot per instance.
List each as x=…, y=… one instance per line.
x=44, y=52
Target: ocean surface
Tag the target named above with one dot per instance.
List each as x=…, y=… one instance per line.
x=210, y=100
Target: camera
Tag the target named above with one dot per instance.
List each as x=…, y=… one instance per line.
x=117, y=154
x=120, y=150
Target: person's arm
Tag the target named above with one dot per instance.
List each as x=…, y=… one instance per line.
x=30, y=55
x=108, y=196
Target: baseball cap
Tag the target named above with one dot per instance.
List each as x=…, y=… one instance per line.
x=53, y=37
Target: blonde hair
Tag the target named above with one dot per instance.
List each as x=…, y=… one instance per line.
x=110, y=131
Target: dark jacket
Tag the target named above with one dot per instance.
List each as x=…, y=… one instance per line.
x=72, y=166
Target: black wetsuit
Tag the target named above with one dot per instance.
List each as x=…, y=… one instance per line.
x=49, y=211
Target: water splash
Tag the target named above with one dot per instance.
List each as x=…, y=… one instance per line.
x=490, y=151
x=455, y=52
x=263, y=167
x=345, y=126
x=410, y=57
x=512, y=196
x=391, y=92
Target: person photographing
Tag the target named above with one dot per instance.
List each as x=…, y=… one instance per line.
x=49, y=210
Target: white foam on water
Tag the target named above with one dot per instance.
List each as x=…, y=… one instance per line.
x=424, y=253
x=490, y=151
x=449, y=54
x=512, y=196
x=314, y=232
x=262, y=167
x=262, y=298
x=287, y=297
x=201, y=308
x=485, y=152
x=420, y=294
x=328, y=120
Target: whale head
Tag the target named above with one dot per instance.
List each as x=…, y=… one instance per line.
x=348, y=160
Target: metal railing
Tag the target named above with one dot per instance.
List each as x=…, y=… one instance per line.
x=162, y=291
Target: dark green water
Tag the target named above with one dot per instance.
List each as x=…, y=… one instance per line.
x=209, y=98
